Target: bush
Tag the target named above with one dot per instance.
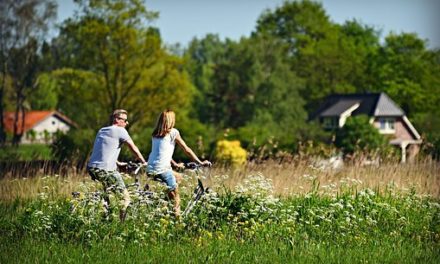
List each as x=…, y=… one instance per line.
x=74, y=147
x=230, y=153
x=359, y=136
x=26, y=152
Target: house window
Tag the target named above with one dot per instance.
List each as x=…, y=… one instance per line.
x=386, y=125
x=53, y=122
x=330, y=122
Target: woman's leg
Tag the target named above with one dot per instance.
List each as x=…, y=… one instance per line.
x=172, y=179
x=174, y=195
x=178, y=176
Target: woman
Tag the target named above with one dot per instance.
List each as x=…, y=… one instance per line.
x=165, y=137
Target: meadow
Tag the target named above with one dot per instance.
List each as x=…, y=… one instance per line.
x=260, y=213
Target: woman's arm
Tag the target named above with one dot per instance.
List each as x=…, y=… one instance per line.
x=188, y=151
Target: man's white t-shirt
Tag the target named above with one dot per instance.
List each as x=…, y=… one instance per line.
x=108, y=143
x=162, y=150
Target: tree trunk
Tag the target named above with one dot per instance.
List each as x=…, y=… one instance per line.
x=18, y=132
x=2, y=121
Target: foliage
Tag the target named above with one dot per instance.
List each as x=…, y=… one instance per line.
x=358, y=135
x=409, y=73
x=248, y=215
x=74, y=147
x=111, y=60
x=109, y=55
x=26, y=152
x=46, y=97
x=331, y=58
x=247, y=84
x=230, y=152
x=23, y=25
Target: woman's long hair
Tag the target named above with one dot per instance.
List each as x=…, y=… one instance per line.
x=165, y=123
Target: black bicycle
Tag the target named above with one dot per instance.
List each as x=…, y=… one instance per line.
x=199, y=191
x=152, y=193
x=137, y=169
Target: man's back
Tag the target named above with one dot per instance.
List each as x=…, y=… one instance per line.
x=107, y=147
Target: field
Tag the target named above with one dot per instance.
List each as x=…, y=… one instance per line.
x=261, y=213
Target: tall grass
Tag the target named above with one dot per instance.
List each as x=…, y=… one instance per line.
x=288, y=179
x=260, y=213
x=300, y=177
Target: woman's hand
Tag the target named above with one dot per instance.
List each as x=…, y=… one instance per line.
x=180, y=166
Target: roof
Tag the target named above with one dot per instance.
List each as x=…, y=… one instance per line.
x=339, y=108
x=370, y=104
x=32, y=118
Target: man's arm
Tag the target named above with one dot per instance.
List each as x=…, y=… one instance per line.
x=135, y=150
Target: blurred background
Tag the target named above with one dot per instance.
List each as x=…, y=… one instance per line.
x=244, y=77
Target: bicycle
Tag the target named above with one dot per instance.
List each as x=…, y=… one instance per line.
x=199, y=191
x=88, y=202
x=141, y=197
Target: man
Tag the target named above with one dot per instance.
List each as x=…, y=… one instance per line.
x=102, y=165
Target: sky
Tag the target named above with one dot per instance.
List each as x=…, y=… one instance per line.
x=181, y=20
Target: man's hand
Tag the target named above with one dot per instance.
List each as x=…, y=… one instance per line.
x=206, y=163
x=121, y=164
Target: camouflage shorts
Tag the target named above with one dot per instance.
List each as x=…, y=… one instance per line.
x=107, y=178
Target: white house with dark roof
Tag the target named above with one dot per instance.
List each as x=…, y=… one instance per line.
x=384, y=114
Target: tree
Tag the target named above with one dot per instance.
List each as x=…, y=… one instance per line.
x=358, y=135
x=409, y=73
x=331, y=58
x=201, y=58
x=112, y=60
x=248, y=86
x=23, y=25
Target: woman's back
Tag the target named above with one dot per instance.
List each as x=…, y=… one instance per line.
x=162, y=150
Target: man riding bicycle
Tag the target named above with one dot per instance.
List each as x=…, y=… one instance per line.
x=102, y=165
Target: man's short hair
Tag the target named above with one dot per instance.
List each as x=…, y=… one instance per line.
x=116, y=114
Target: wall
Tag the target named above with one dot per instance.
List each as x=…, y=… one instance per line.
x=51, y=124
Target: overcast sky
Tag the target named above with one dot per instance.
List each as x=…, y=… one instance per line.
x=181, y=20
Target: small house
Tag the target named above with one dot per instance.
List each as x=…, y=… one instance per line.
x=39, y=126
x=384, y=114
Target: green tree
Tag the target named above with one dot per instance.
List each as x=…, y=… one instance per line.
x=409, y=73
x=23, y=25
x=112, y=60
x=331, y=58
x=201, y=58
x=248, y=86
x=46, y=96
x=358, y=135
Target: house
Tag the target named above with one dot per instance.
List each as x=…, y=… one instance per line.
x=384, y=114
x=39, y=126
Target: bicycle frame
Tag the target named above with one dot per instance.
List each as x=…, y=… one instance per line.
x=199, y=191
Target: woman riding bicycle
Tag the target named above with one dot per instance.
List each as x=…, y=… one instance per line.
x=164, y=140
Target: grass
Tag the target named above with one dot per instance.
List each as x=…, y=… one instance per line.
x=266, y=213
x=26, y=152
x=287, y=179
x=28, y=251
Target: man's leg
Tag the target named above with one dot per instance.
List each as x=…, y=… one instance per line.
x=120, y=186
x=125, y=202
x=102, y=177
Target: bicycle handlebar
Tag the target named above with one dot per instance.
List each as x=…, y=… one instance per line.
x=194, y=165
x=136, y=166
